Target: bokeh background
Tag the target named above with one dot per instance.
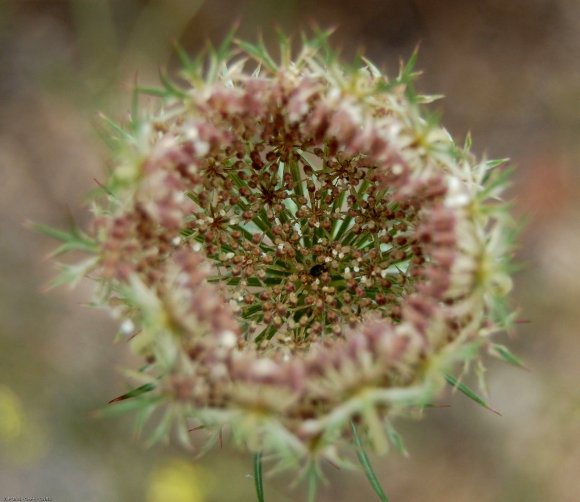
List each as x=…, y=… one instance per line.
x=511, y=72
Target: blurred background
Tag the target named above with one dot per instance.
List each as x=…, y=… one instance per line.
x=511, y=72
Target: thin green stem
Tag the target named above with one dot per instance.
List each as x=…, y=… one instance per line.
x=366, y=463
x=312, y=485
x=258, y=476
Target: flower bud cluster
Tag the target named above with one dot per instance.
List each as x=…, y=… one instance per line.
x=298, y=248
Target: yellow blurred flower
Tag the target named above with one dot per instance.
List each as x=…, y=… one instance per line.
x=178, y=481
x=11, y=413
x=23, y=440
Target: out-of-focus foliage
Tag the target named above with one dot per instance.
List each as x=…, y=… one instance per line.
x=511, y=71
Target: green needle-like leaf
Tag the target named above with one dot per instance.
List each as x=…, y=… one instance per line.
x=121, y=407
x=366, y=463
x=451, y=380
x=506, y=355
x=153, y=91
x=148, y=387
x=259, y=53
x=73, y=239
x=171, y=88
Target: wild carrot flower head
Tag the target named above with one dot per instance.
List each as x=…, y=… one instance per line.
x=294, y=247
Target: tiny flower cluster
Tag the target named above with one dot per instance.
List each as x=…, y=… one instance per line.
x=296, y=248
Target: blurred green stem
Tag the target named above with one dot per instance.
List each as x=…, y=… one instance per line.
x=312, y=486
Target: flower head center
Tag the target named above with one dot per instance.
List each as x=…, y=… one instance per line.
x=305, y=240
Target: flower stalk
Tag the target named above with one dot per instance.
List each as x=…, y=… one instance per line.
x=258, y=477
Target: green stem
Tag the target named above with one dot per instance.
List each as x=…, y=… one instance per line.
x=312, y=485
x=258, y=477
x=366, y=463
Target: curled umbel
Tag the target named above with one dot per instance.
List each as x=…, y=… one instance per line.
x=293, y=247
